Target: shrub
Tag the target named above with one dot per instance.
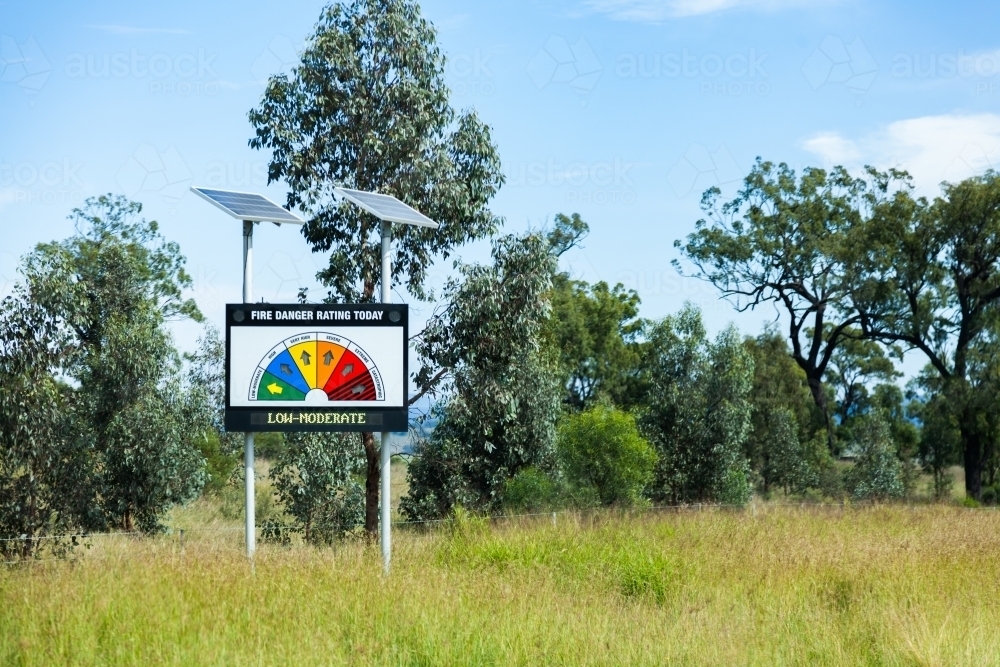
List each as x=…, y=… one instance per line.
x=878, y=474
x=314, y=481
x=219, y=466
x=602, y=448
x=533, y=490
x=698, y=416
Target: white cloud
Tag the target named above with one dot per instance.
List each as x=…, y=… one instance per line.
x=833, y=148
x=653, y=11
x=948, y=147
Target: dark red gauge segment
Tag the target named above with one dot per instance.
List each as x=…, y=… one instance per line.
x=350, y=380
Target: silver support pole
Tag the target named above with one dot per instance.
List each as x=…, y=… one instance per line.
x=251, y=517
x=385, y=458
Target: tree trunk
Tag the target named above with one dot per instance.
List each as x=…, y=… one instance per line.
x=973, y=460
x=371, y=484
x=372, y=453
x=819, y=398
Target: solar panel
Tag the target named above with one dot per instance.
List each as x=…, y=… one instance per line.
x=386, y=207
x=248, y=206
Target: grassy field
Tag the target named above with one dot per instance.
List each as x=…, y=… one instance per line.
x=768, y=586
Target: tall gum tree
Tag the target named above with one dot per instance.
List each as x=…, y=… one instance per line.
x=928, y=278
x=367, y=108
x=783, y=240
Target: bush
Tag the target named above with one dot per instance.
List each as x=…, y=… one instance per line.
x=878, y=474
x=269, y=445
x=219, y=466
x=314, y=481
x=533, y=490
x=698, y=414
x=602, y=448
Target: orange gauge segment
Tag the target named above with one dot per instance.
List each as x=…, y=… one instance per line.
x=328, y=357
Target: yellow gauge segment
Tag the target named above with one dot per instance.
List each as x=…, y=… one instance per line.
x=305, y=357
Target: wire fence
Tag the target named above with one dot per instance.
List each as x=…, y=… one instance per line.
x=80, y=539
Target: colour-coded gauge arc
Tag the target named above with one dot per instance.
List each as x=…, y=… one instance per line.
x=316, y=360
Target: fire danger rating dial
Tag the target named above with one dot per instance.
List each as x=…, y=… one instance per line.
x=299, y=366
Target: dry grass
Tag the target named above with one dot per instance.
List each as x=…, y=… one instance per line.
x=776, y=586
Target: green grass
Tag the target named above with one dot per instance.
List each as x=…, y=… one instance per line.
x=774, y=586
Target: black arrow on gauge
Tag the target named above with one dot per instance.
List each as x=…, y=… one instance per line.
x=328, y=358
x=286, y=369
x=305, y=358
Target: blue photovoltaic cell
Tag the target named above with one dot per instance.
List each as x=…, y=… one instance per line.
x=248, y=206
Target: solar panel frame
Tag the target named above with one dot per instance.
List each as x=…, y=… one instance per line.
x=248, y=206
x=386, y=207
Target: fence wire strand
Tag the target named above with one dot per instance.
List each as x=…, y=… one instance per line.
x=694, y=507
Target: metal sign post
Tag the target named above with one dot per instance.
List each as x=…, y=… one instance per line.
x=251, y=512
x=385, y=477
x=388, y=209
x=250, y=208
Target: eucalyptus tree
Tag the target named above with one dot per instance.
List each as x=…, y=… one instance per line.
x=43, y=465
x=699, y=410
x=314, y=480
x=483, y=353
x=784, y=241
x=367, y=108
x=782, y=446
x=928, y=278
x=114, y=284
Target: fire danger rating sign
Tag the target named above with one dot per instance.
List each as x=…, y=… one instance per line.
x=306, y=367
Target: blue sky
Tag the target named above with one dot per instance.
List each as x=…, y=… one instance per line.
x=621, y=110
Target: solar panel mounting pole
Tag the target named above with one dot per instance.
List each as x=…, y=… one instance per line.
x=251, y=515
x=388, y=209
x=385, y=477
x=251, y=208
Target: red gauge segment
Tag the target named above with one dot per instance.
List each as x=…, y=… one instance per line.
x=350, y=380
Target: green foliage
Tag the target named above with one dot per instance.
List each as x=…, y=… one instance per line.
x=782, y=444
x=698, y=417
x=43, y=464
x=270, y=445
x=205, y=390
x=500, y=408
x=856, y=364
x=314, y=481
x=113, y=285
x=887, y=402
x=595, y=330
x=219, y=466
x=784, y=239
x=367, y=107
x=602, y=448
x=877, y=473
x=533, y=490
